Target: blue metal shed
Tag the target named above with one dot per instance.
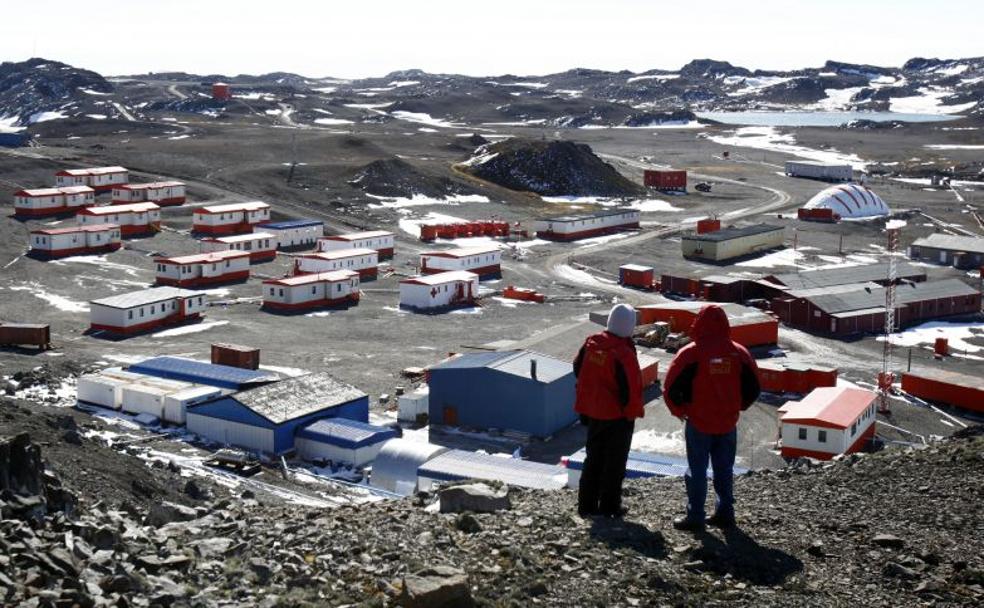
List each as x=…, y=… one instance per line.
x=640, y=465
x=457, y=465
x=514, y=390
x=342, y=440
x=199, y=372
x=266, y=419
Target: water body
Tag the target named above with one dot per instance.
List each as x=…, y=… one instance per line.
x=816, y=119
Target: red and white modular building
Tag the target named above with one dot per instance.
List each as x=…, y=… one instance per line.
x=574, y=227
x=261, y=246
x=439, y=291
x=165, y=194
x=145, y=310
x=311, y=291
x=485, y=261
x=295, y=234
x=829, y=421
x=75, y=240
x=234, y=218
x=380, y=240
x=363, y=261
x=135, y=219
x=100, y=179
x=46, y=202
x=213, y=268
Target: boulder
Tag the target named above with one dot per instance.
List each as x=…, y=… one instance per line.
x=475, y=497
x=167, y=512
x=438, y=587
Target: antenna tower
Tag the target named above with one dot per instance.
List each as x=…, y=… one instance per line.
x=887, y=377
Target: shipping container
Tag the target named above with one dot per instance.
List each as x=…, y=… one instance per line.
x=105, y=388
x=665, y=179
x=708, y=225
x=146, y=396
x=819, y=214
x=25, y=334
x=176, y=404
x=943, y=386
x=221, y=91
x=413, y=406
x=635, y=275
x=235, y=355
x=819, y=170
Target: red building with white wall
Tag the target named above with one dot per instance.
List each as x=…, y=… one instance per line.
x=828, y=422
x=134, y=220
x=485, y=261
x=165, y=194
x=311, y=291
x=48, y=202
x=261, y=246
x=145, y=310
x=234, y=218
x=199, y=270
x=363, y=261
x=582, y=226
x=100, y=179
x=50, y=243
x=380, y=240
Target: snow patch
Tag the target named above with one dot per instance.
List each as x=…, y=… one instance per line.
x=60, y=302
x=418, y=200
x=424, y=119
x=956, y=334
x=332, y=121
x=768, y=138
x=650, y=440
x=188, y=329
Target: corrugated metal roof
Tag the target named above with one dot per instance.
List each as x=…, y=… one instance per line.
x=463, y=252
x=340, y=254
x=835, y=406
x=644, y=464
x=201, y=258
x=548, y=369
x=472, y=360
x=826, y=277
x=968, y=244
x=291, y=224
x=442, y=277
x=589, y=216
x=250, y=206
x=145, y=296
x=905, y=294
x=201, y=372
x=114, y=209
x=332, y=276
x=355, y=236
x=726, y=234
x=455, y=465
x=297, y=397
x=346, y=433
x=242, y=238
x=949, y=377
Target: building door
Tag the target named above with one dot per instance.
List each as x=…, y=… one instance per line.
x=450, y=415
x=942, y=257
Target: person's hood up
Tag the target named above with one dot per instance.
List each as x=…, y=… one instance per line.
x=621, y=320
x=711, y=325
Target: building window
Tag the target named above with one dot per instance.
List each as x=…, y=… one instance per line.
x=822, y=436
x=129, y=314
x=854, y=428
x=802, y=434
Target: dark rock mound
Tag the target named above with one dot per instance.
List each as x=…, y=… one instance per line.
x=872, y=125
x=398, y=178
x=711, y=68
x=648, y=119
x=553, y=168
x=38, y=85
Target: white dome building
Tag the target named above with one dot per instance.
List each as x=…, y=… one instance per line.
x=850, y=201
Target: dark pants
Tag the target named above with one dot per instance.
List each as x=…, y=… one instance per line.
x=607, y=448
x=720, y=450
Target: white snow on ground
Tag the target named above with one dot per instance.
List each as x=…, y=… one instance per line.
x=510, y=303
x=471, y=310
x=96, y=116
x=369, y=106
x=290, y=372
x=599, y=240
x=60, y=302
x=956, y=334
x=254, y=95
x=668, y=124
x=64, y=395
x=403, y=83
x=653, y=77
x=753, y=84
x=45, y=116
x=273, y=112
x=332, y=121
x=412, y=226
x=643, y=205
x=397, y=310
x=953, y=70
x=837, y=99
x=570, y=92
x=954, y=147
x=768, y=138
x=929, y=101
x=419, y=200
x=892, y=224
x=325, y=90
x=185, y=136
x=885, y=81
x=424, y=119
x=783, y=257
x=91, y=92
x=97, y=260
x=525, y=85
x=479, y=159
x=650, y=440
x=427, y=130
x=188, y=329
x=568, y=273
x=8, y=124
x=516, y=123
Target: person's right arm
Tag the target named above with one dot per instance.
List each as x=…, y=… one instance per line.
x=678, y=384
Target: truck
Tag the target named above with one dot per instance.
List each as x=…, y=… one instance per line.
x=830, y=172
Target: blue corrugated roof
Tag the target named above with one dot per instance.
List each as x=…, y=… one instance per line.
x=189, y=370
x=644, y=464
x=473, y=360
x=455, y=465
x=346, y=433
x=291, y=224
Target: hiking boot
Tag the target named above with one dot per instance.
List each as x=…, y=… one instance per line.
x=721, y=521
x=687, y=524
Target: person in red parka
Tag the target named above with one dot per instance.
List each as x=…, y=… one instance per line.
x=608, y=399
x=708, y=384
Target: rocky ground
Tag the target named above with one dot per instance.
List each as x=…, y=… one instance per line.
x=89, y=526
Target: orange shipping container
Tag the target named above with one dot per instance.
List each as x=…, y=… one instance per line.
x=946, y=387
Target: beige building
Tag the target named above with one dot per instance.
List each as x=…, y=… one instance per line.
x=732, y=242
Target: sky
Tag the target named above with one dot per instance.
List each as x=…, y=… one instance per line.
x=491, y=37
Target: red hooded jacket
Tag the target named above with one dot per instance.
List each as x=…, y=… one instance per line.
x=600, y=393
x=712, y=379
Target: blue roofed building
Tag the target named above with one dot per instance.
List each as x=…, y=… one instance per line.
x=267, y=418
x=295, y=234
x=340, y=440
x=639, y=465
x=518, y=391
x=199, y=372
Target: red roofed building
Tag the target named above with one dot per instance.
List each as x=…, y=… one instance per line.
x=829, y=421
x=47, y=243
x=311, y=291
x=212, y=268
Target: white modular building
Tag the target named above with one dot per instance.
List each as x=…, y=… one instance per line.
x=339, y=440
x=484, y=260
x=145, y=310
x=380, y=240
x=436, y=292
x=413, y=406
x=261, y=246
x=311, y=291
x=833, y=172
x=135, y=219
x=217, y=267
x=234, y=218
x=47, y=202
x=167, y=400
x=829, y=421
x=48, y=243
x=295, y=234
x=574, y=227
x=100, y=179
x=165, y=194
x=105, y=388
x=363, y=261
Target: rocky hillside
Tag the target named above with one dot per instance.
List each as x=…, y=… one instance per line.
x=38, y=90
x=394, y=177
x=550, y=168
x=899, y=528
